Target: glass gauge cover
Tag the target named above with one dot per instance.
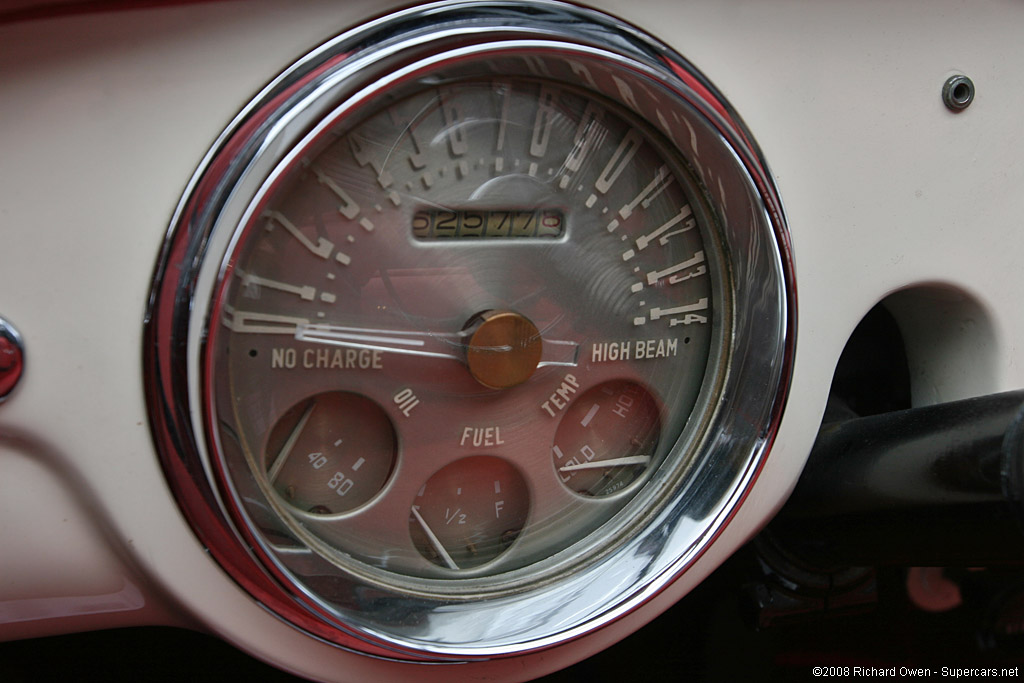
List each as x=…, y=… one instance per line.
x=475, y=295
x=578, y=256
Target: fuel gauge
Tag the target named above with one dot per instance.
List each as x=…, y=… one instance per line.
x=331, y=453
x=469, y=512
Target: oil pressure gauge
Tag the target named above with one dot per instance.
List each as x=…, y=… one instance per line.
x=477, y=306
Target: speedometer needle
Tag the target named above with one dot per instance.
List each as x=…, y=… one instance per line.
x=610, y=462
x=434, y=542
x=428, y=344
x=423, y=344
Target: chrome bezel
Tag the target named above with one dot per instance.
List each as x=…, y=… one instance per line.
x=759, y=330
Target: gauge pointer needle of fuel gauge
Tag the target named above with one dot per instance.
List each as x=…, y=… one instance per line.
x=610, y=462
x=424, y=344
x=432, y=537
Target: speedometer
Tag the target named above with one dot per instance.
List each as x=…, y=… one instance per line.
x=506, y=269
x=472, y=330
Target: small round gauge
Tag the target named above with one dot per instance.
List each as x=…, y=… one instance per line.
x=469, y=512
x=607, y=438
x=330, y=453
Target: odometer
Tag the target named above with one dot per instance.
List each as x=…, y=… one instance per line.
x=487, y=223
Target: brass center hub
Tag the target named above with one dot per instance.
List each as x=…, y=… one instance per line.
x=504, y=349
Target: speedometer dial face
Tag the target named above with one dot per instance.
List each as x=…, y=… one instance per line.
x=511, y=270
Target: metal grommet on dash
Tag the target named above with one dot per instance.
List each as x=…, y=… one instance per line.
x=12, y=358
x=958, y=92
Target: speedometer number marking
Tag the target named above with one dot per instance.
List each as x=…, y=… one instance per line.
x=456, y=134
x=687, y=311
x=322, y=248
x=364, y=157
x=252, y=285
x=349, y=209
x=543, y=121
x=661, y=233
x=662, y=179
x=620, y=161
x=655, y=275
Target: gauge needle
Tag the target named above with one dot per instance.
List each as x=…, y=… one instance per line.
x=424, y=344
x=610, y=462
x=434, y=540
x=289, y=444
x=429, y=344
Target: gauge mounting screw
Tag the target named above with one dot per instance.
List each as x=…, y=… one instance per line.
x=958, y=92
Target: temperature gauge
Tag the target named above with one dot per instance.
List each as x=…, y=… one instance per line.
x=606, y=439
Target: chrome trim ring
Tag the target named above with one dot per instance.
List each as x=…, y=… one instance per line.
x=743, y=402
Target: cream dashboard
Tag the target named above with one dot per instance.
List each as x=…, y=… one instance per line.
x=464, y=338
